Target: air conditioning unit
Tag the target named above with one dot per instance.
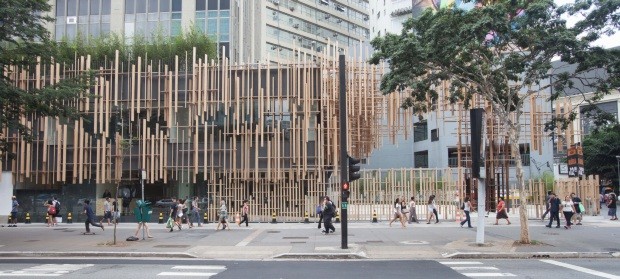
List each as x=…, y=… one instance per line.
x=340, y=8
x=339, y=20
x=72, y=20
x=296, y=26
x=366, y=18
x=325, y=2
x=276, y=2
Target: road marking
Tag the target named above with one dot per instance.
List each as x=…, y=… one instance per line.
x=581, y=269
x=250, y=237
x=47, y=270
x=473, y=267
x=197, y=274
x=490, y=274
x=199, y=267
x=415, y=242
x=447, y=263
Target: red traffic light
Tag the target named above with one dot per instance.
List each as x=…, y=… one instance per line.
x=345, y=186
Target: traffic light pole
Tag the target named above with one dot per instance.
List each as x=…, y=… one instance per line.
x=344, y=157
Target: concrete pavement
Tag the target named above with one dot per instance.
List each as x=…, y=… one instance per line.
x=597, y=237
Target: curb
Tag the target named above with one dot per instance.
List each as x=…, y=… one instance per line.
x=321, y=256
x=532, y=255
x=35, y=254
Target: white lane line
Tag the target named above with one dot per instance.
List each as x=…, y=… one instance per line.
x=489, y=274
x=28, y=274
x=448, y=263
x=197, y=274
x=473, y=267
x=581, y=269
x=250, y=237
x=196, y=267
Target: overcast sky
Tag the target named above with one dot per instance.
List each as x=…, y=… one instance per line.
x=606, y=42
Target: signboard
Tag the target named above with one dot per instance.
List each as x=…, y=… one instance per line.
x=575, y=161
x=345, y=205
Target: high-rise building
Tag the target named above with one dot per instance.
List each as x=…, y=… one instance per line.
x=245, y=30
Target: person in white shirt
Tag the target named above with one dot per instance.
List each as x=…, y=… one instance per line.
x=413, y=216
x=398, y=214
x=466, y=209
x=568, y=208
x=107, y=210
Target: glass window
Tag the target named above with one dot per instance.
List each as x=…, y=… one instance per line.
x=105, y=29
x=83, y=7
x=212, y=5
x=175, y=28
x=201, y=24
x=105, y=18
x=94, y=30
x=224, y=26
x=129, y=7
x=60, y=32
x=60, y=7
x=420, y=131
x=164, y=6
x=140, y=6
x=212, y=14
x=71, y=7
x=105, y=7
x=153, y=6
x=71, y=31
x=94, y=7
x=176, y=5
x=224, y=4
x=211, y=26
x=176, y=15
x=200, y=15
x=201, y=5
x=224, y=13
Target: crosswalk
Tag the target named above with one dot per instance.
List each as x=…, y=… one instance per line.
x=45, y=270
x=476, y=269
x=194, y=270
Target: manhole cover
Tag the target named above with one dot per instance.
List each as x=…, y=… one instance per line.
x=551, y=233
x=32, y=240
x=298, y=242
x=171, y=246
x=295, y=237
x=273, y=231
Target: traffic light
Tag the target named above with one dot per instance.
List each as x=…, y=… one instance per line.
x=345, y=186
x=353, y=169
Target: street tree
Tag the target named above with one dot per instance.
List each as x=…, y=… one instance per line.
x=23, y=38
x=600, y=149
x=500, y=51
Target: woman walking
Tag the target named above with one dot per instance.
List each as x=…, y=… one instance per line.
x=611, y=205
x=244, y=213
x=466, y=209
x=398, y=214
x=223, y=216
x=568, y=208
x=501, y=211
x=432, y=210
x=196, y=211
x=413, y=216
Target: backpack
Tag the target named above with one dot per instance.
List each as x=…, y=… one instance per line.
x=57, y=206
x=51, y=210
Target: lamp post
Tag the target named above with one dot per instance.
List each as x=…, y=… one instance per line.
x=618, y=160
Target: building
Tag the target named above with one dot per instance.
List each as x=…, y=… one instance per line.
x=247, y=31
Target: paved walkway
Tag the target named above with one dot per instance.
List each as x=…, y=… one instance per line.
x=597, y=237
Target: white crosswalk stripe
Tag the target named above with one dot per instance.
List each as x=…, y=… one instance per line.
x=192, y=270
x=476, y=269
x=45, y=270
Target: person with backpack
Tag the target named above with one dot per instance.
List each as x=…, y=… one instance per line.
x=328, y=213
x=51, y=212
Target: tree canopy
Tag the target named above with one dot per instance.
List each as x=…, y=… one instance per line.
x=600, y=149
x=502, y=52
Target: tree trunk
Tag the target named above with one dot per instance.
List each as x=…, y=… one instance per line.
x=114, y=217
x=513, y=132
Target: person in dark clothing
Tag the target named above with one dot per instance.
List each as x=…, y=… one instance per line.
x=611, y=205
x=90, y=217
x=107, y=194
x=546, y=206
x=328, y=213
x=554, y=210
x=577, y=202
x=319, y=212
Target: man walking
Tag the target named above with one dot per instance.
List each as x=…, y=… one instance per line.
x=107, y=210
x=328, y=213
x=546, y=205
x=554, y=210
x=196, y=211
x=14, y=206
x=577, y=203
x=90, y=217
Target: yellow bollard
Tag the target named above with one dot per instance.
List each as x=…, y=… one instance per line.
x=69, y=218
x=273, y=218
x=27, y=218
x=161, y=217
x=306, y=218
x=206, y=219
x=374, y=216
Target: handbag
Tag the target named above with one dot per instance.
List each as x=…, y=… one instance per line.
x=582, y=209
x=169, y=223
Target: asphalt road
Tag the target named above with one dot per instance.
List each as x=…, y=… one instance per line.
x=300, y=269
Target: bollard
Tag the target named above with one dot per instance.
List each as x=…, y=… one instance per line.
x=47, y=218
x=374, y=216
x=69, y=218
x=27, y=218
x=273, y=218
x=161, y=217
x=306, y=218
x=337, y=217
x=9, y=218
x=206, y=219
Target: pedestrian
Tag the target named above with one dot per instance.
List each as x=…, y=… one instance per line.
x=413, y=216
x=223, y=216
x=432, y=210
x=117, y=215
x=568, y=209
x=403, y=208
x=554, y=210
x=196, y=211
x=328, y=213
x=107, y=194
x=466, y=210
x=319, y=211
x=180, y=215
x=501, y=211
x=107, y=210
x=397, y=213
x=546, y=205
x=578, y=216
x=14, y=206
x=90, y=217
x=146, y=227
x=244, y=213
x=173, y=214
x=611, y=205
x=51, y=212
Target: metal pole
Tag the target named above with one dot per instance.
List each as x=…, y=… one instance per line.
x=618, y=160
x=481, y=211
x=143, y=203
x=344, y=173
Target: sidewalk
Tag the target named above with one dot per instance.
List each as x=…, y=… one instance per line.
x=597, y=237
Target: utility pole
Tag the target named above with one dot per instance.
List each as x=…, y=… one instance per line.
x=476, y=117
x=344, y=157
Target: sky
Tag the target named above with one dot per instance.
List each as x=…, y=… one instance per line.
x=605, y=42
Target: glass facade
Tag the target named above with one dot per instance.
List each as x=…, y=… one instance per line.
x=148, y=18
x=213, y=18
x=86, y=18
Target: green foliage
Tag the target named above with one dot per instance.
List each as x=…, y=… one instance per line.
x=600, y=149
x=548, y=178
x=160, y=48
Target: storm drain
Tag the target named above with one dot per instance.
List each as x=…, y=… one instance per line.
x=273, y=231
x=32, y=240
x=295, y=237
x=171, y=246
x=298, y=242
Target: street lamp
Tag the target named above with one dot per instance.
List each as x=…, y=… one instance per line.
x=618, y=160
